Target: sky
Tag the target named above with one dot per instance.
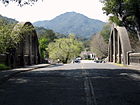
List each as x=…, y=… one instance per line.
x=49, y=9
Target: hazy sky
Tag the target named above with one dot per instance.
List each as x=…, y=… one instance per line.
x=49, y=9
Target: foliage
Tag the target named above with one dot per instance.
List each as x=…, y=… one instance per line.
x=19, y=2
x=50, y=34
x=45, y=37
x=99, y=46
x=43, y=32
x=59, y=35
x=99, y=42
x=86, y=44
x=5, y=36
x=8, y=20
x=125, y=13
x=10, y=39
x=105, y=32
x=17, y=35
x=135, y=43
x=43, y=44
x=65, y=49
x=4, y=67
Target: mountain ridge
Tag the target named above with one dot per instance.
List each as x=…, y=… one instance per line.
x=9, y=20
x=72, y=22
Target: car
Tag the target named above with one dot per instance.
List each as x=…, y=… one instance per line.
x=98, y=61
x=76, y=61
x=78, y=58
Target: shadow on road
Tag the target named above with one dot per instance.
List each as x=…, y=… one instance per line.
x=55, y=65
x=66, y=87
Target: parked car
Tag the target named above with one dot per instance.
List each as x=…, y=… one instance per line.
x=98, y=61
x=78, y=58
x=76, y=61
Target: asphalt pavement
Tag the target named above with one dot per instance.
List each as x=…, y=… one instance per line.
x=73, y=84
x=7, y=74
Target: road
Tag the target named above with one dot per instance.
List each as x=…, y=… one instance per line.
x=73, y=84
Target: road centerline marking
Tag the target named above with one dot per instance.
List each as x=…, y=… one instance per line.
x=88, y=87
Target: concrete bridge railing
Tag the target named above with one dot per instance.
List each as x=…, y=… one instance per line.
x=120, y=50
x=134, y=58
x=119, y=45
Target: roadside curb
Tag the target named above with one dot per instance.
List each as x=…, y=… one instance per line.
x=133, y=67
x=14, y=72
x=121, y=65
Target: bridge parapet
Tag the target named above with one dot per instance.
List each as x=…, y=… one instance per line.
x=134, y=58
x=27, y=51
x=119, y=45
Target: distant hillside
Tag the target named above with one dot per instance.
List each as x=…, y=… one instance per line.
x=72, y=22
x=9, y=20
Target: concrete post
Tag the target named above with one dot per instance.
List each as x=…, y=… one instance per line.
x=119, y=50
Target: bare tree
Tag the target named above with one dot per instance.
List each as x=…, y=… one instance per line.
x=99, y=46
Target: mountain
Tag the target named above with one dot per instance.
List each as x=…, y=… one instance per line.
x=72, y=22
x=9, y=20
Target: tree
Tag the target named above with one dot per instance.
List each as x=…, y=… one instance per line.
x=19, y=2
x=99, y=42
x=10, y=39
x=49, y=34
x=5, y=36
x=105, y=32
x=45, y=37
x=99, y=46
x=59, y=35
x=46, y=33
x=43, y=44
x=65, y=49
x=124, y=13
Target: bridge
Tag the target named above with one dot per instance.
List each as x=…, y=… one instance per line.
x=27, y=51
x=120, y=50
x=84, y=83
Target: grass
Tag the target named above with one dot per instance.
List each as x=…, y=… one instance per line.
x=4, y=67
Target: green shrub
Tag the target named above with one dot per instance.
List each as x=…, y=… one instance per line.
x=4, y=67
